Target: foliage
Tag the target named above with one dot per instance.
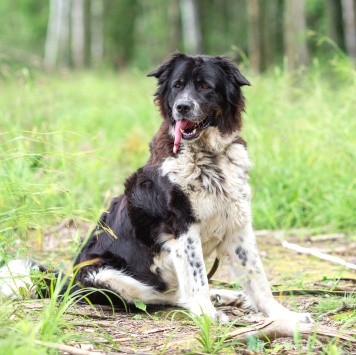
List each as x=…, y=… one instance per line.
x=140, y=33
x=68, y=142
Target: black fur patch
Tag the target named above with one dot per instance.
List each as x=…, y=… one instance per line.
x=242, y=254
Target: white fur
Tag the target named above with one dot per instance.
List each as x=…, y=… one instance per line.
x=213, y=173
x=127, y=287
x=15, y=276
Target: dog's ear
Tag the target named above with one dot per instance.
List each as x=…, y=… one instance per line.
x=232, y=72
x=167, y=65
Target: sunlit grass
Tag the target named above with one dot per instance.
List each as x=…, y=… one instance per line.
x=68, y=142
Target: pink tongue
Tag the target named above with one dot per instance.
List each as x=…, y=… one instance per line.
x=182, y=124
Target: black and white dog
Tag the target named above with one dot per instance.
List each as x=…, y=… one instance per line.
x=190, y=200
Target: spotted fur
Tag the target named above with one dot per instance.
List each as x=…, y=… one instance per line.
x=190, y=200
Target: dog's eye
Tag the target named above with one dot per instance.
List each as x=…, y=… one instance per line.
x=205, y=86
x=177, y=85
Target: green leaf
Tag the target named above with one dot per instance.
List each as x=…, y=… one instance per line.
x=253, y=343
x=140, y=305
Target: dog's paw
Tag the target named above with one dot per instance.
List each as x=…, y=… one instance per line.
x=221, y=317
x=301, y=317
x=200, y=306
x=222, y=297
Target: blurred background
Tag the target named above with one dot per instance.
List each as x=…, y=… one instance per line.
x=119, y=33
x=77, y=111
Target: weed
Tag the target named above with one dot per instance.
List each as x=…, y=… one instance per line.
x=211, y=335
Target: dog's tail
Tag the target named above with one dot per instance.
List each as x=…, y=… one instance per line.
x=24, y=278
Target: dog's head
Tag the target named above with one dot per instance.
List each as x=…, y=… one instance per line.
x=195, y=93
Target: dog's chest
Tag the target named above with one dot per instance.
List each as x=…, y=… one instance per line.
x=217, y=188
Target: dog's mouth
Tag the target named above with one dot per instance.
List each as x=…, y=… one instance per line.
x=189, y=130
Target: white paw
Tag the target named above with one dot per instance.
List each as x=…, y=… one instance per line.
x=227, y=297
x=15, y=280
x=200, y=306
x=221, y=317
x=301, y=317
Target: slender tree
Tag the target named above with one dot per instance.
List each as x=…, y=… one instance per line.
x=348, y=14
x=96, y=31
x=174, y=29
x=78, y=31
x=52, y=37
x=192, y=36
x=295, y=44
x=254, y=38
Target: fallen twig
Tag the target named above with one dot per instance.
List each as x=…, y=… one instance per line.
x=272, y=329
x=68, y=349
x=319, y=255
x=344, y=307
x=326, y=237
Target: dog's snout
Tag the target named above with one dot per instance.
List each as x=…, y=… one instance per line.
x=183, y=107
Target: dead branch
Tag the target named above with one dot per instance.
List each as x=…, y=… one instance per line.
x=326, y=237
x=343, y=308
x=67, y=348
x=272, y=329
x=318, y=254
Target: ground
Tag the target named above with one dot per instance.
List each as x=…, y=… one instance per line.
x=163, y=330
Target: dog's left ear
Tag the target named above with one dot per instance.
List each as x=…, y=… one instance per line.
x=167, y=65
x=231, y=70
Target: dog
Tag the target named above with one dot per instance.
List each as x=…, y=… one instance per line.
x=190, y=200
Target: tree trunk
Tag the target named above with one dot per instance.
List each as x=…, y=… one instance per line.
x=64, y=34
x=52, y=37
x=78, y=33
x=336, y=30
x=96, y=32
x=296, y=49
x=254, y=39
x=173, y=15
x=191, y=26
x=348, y=15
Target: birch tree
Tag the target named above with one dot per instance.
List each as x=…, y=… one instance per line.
x=348, y=15
x=191, y=28
x=295, y=44
x=78, y=33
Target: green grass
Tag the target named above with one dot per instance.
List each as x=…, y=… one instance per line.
x=68, y=142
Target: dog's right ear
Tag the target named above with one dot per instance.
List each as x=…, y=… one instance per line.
x=167, y=65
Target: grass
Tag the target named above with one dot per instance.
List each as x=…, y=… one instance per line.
x=68, y=141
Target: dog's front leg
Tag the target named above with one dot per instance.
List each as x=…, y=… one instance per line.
x=187, y=258
x=243, y=253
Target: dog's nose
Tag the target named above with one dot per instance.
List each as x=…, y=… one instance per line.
x=183, y=107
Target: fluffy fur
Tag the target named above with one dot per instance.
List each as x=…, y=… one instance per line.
x=190, y=200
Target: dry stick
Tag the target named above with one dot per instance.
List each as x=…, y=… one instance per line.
x=319, y=255
x=326, y=237
x=344, y=307
x=67, y=348
x=281, y=328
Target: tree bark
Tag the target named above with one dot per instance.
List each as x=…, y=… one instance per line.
x=64, y=34
x=348, y=15
x=254, y=39
x=78, y=33
x=173, y=15
x=295, y=45
x=96, y=32
x=52, y=36
x=336, y=30
x=191, y=28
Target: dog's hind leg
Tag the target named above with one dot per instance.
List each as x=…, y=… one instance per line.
x=125, y=286
x=245, y=261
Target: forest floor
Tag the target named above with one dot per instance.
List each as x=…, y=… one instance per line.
x=161, y=330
